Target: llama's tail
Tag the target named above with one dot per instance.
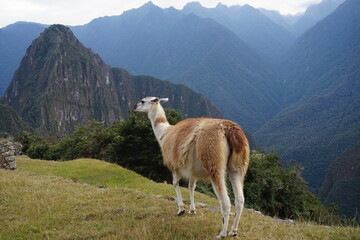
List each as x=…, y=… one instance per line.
x=239, y=157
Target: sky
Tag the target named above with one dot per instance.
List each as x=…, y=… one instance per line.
x=79, y=12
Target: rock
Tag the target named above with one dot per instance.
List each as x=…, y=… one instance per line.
x=256, y=212
x=7, y=154
x=12, y=165
x=288, y=221
x=201, y=204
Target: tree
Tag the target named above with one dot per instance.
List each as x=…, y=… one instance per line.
x=87, y=141
x=135, y=147
x=282, y=192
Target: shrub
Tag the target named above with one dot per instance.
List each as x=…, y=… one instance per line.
x=135, y=147
x=37, y=150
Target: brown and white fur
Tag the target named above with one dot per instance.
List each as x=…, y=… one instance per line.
x=202, y=148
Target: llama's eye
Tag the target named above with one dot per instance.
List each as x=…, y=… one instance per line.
x=142, y=101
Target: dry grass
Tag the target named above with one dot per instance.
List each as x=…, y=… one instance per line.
x=50, y=200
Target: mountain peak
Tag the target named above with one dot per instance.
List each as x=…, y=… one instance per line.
x=58, y=33
x=48, y=85
x=58, y=28
x=220, y=6
x=149, y=6
x=192, y=6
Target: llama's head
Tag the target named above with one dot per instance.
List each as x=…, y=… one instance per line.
x=146, y=104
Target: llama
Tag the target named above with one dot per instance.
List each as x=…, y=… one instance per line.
x=202, y=149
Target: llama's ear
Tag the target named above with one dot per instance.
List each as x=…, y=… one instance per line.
x=163, y=100
x=155, y=100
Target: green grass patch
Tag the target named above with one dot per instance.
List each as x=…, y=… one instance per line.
x=103, y=174
x=64, y=200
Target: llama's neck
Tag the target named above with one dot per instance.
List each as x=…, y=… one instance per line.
x=159, y=122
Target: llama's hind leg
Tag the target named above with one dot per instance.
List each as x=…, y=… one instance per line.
x=237, y=185
x=192, y=186
x=180, y=203
x=221, y=192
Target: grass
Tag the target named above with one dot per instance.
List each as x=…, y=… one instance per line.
x=91, y=199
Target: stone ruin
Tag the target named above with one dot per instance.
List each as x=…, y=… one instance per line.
x=8, y=150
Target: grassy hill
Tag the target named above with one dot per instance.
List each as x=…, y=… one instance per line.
x=91, y=199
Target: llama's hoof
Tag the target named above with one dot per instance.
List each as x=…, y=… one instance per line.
x=192, y=212
x=181, y=212
x=220, y=236
x=232, y=233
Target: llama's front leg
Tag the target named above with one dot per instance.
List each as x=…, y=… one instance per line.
x=221, y=193
x=192, y=186
x=176, y=179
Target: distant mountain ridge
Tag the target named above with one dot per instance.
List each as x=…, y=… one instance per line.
x=170, y=47
x=314, y=14
x=187, y=49
x=15, y=38
x=61, y=84
x=251, y=25
x=300, y=23
x=322, y=91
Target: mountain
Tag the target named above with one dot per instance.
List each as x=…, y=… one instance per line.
x=198, y=52
x=300, y=23
x=14, y=39
x=10, y=121
x=184, y=49
x=314, y=14
x=286, y=21
x=251, y=25
x=342, y=182
x=61, y=84
x=136, y=34
x=321, y=97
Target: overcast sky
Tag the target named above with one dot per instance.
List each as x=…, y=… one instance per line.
x=78, y=12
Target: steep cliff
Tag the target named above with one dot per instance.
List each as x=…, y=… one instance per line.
x=61, y=84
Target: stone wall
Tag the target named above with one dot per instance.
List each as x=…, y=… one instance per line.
x=7, y=155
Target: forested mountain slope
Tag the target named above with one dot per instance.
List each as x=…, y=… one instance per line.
x=321, y=95
x=342, y=182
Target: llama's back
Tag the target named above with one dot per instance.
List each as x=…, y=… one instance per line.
x=224, y=138
x=178, y=142
x=216, y=143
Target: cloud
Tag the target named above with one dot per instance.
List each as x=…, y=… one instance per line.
x=67, y=12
